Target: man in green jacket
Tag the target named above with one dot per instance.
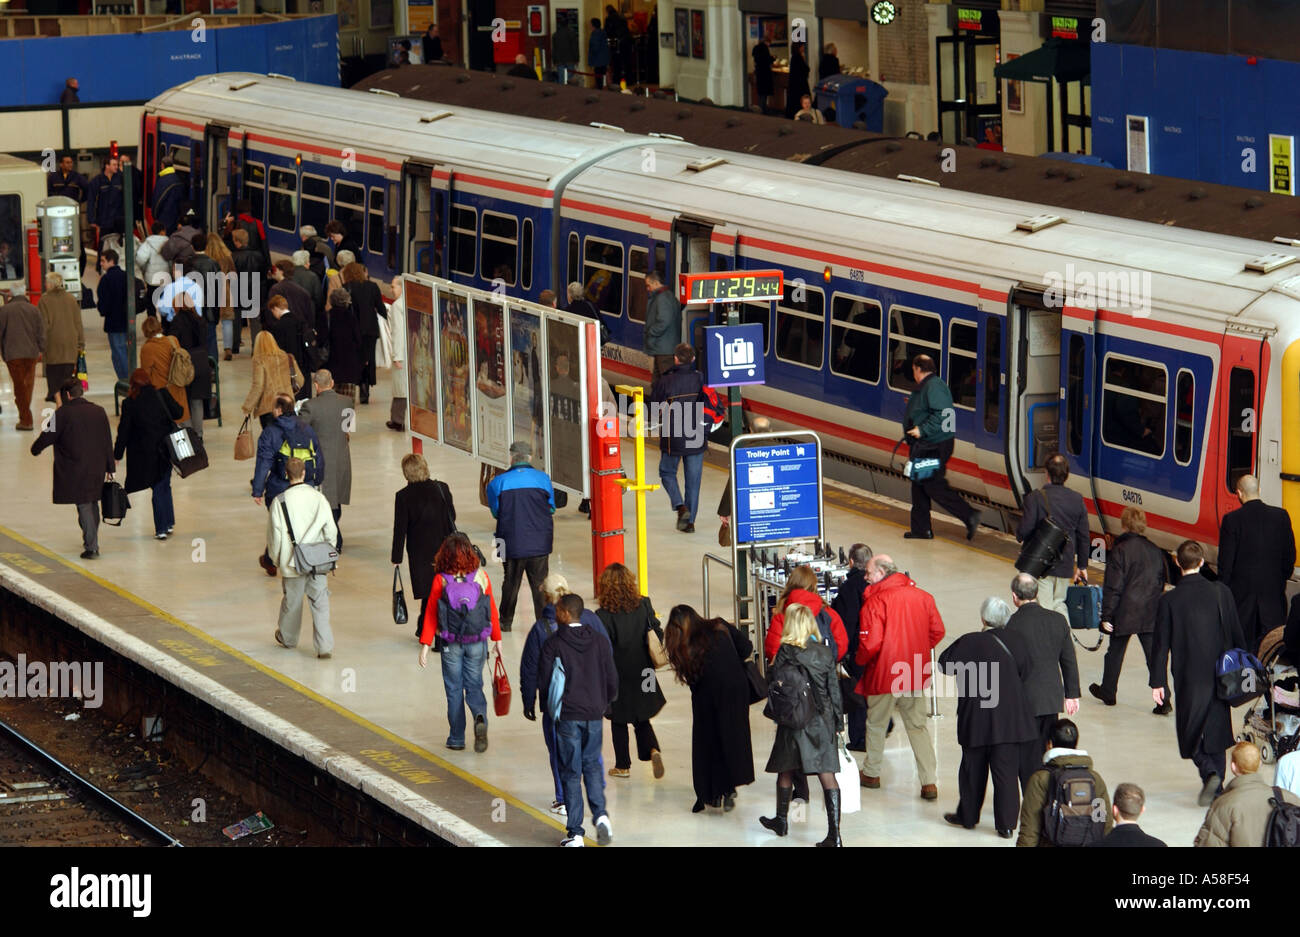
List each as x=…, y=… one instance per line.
x=1061, y=755
x=663, y=325
x=931, y=425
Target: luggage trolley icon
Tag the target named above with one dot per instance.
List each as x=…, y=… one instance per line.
x=736, y=356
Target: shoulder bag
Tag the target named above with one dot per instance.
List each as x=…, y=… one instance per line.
x=1239, y=677
x=244, y=442
x=292, y=383
x=310, y=559
x=654, y=645
x=1043, y=548
x=399, y=598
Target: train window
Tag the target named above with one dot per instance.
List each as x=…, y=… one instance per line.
x=498, y=248
x=255, y=187
x=464, y=231
x=282, y=200
x=181, y=163
x=800, y=327
x=758, y=314
x=350, y=208
x=911, y=333
x=1184, y=413
x=1074, y=393
x=376, y=243
x=855, y=338
x=573, y=265
x=992, y=374
x=526, y=256
x=11, y=237
x=1134, y=395
x=1241, y=424
x=602, y=273
x=315, y=202
x=637, y=258
x=963, y=366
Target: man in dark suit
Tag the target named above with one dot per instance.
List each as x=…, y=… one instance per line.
x=1195, y=622
x=1127, y=805
x=848, y=605
x=1068, y=510
x=1053, y=677
x=1256, y=558
x=83, y=458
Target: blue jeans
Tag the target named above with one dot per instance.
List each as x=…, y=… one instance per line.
x=117, y=349
x=163, y=514
x=228, y=334
x=548, y=732
x=462, y=678
x=668, y=476
x=578, y=744
x=212, y=341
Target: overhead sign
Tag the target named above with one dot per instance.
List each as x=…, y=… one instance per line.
x=733, y=355
x=777, y=487
x=1281, y=157
x=1065, y=27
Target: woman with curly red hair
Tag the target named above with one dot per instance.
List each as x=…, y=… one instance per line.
x=629, y=617
x=462, y=615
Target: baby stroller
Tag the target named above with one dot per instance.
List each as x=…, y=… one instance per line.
x=1273, y=720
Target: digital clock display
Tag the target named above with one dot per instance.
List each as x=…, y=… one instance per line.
x=731, y=286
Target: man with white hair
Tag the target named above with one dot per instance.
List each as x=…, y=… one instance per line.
x=309, y=281
x=65, y=338
x=993, y=718
x=22, y=341
x=579, y=304
x=1256, y=559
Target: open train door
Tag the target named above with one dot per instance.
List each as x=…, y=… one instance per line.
x=692, y=250
x=218, y=198
x=1037, y=391
x=422, y=218
x=1239, y=392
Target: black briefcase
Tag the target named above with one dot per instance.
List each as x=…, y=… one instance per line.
x=113, y=504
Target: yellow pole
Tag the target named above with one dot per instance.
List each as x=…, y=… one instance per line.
x=638, y=486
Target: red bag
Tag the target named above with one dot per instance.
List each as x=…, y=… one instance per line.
x=500, y=687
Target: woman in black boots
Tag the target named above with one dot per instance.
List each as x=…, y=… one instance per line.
x=812, y=749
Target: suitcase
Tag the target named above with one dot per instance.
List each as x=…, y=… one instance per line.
x=1084, y=606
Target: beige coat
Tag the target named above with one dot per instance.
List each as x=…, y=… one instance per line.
x=64, y=338
x=1239, y=816
x=313, y=522
x=156, y=358
x=272, y=376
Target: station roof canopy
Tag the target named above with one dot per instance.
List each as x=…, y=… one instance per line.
x=1055, y=58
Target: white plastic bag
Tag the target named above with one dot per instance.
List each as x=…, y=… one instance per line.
x=847, y=776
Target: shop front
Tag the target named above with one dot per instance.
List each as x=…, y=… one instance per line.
x=766, y=22
x=1063, y=66
x=969, y=95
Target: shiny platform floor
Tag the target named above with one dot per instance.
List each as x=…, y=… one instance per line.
x=207, y=581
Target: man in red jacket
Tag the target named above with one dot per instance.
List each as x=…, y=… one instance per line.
x=900, y=625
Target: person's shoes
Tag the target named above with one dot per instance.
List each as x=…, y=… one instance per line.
x=956, y=821
x=1097, y=690
x=857, y=746
x=480, y=734
x=89, y=554
x=25, y=429
x=912, y=535
x=1163, y=709
x=929, y=792
x=559, y=809
x=729, y=802
x=584, y=506
x=867, y=781
x=698, y=806
x=279, y=639
x=688, y=529
x=265, y=562
x=832, y=799
x=395, y=427
x=505, y=629
x=889, y=729
x=1209, y=790
x=972, y=526
x=161, y=536
x=456, y=746
x=780, y=824
x=683, y=513
x=604, y=830
x=657, y=764
x=572, y=841
x=227, y=355
x=1006, y=834
x=171, y=528
x=620, y=772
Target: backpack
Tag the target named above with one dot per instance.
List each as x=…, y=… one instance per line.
x=297, y=445
x=789, y=695
x=180, y=373
x=1068, y=814
x=1283, y=823
x=464, y=610
x=827, y=632
x=715, y=411
x=555, y=692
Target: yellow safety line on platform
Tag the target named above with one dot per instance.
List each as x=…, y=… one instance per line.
x=287, y=681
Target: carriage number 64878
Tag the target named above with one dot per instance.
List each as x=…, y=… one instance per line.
x=1132, y=497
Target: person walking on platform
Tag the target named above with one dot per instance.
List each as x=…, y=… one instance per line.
x=1062, y=754
x=1066, y=508
x=709, y=656
x=629, y=619
x=462, y=615
x=899, y=627
x=367, y=306
x=1195, y=622
x=663, y=325
x=148, y=418
x=847, y=604
x=290, y=334
x=553, y=588
x=683, y=433
x=286, y=437
x=1256, y=560
x=190, y=332
x=1136, y=574
x=311, y=282
x=64, y=337
x=1128, y=805
x=230, y=318
x=993, y=717
x=83, y=458
x=104, y=197
x=156, y=358
x=931, y=425
x=424, y=515
x=344, y=343
x=111, y=301
x=397, y=328
x=275, y=374
x=168, y=191
x=801, y=589
x=1240, y=816
x=590, y=686
x=811, y=749
x=331, y=418
x=523, y=502
x=300, y=300
x=300, y=514
x=207, y=271
x=1052, y=682
x=22, y=341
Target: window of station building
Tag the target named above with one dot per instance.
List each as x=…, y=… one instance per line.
x=574, y=266
x=855, y=338
x=1134, y=400
x=350, y=208
x=526, y=257
x=992, y=374
x=637, y=258
x=1074, y=394
x=1241, y=422
x=498, y=247
x=911, y=333
x=315, y=202
x=602, y=275
x=11, y=237
x=376, y=243
x=255, y=188
x=963, y=363
x=801, y=326
x=1184, y=416
x=282, y=200
x=464, y=233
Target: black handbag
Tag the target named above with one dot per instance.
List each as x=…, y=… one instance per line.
x=1044, y=546
x=113, y=503
x=757, y=682
x=185, y=451
x=399, y=598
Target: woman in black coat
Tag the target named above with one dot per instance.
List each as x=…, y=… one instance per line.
x=344, y=343
x=797, y=84
x=814, y=748
x=709, y=656
x=629, y=618
x=1136, y=575
x=423, y=517
x=148, y=418
x=367, y=306
x=191, y=333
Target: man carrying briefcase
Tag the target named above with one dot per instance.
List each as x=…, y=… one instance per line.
x=1066, y=509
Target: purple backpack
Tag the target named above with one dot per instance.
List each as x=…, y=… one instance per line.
x=464, y=611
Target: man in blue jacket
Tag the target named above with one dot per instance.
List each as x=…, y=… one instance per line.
x=111, y=301
x=287, y=437
x=168, y=191
x=105, y=199
x=522, y=500
x=677, y=400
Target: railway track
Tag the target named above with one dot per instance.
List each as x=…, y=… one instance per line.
x=43, y=802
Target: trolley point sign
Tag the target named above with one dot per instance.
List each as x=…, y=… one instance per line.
x=733, y=355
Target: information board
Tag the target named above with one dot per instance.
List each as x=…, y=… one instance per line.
x=777, y=490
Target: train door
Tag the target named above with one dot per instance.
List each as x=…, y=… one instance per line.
x=1037, y=389
x=422, y=248
x=147, y=160
x=216, y=177
x=1239, y=390
x=692, y=246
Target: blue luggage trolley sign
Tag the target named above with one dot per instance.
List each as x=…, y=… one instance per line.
x=733, y=355
x=777, y=493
